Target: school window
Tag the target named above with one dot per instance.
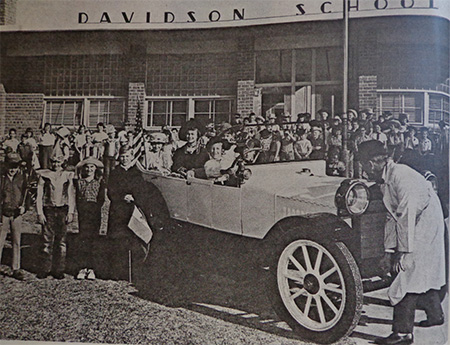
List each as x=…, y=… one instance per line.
x=409, y=103
x=106, y=111
x=86, y=111
x=166, y=112
x=64, y=112
x=213, y=110
x=439, y=108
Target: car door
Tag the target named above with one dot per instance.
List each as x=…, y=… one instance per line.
x=214, y=206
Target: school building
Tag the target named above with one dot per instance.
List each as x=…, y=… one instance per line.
x=84, y=62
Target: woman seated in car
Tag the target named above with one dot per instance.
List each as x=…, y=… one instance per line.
x=155, y=158
x=215, y=167
x=190, y=159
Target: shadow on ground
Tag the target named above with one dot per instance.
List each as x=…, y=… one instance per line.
x=214, y=274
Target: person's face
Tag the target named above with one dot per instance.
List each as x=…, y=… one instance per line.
x=192, y=136
x=47, y=128
x=29, y=134
x=156, y=147
x=12, y=134
x=100, y=128
x=252, y=118
x=57, y=165
x=363, y=116
x=89, y=170
x=373, y=170
x=82, y=129
x=304, y=136
x=216, y=151
x=125, y=158
x=377, y=129
x=229, y=137
x=88, y=138
x=316, y=134
x=425, y=135
x=13, y=170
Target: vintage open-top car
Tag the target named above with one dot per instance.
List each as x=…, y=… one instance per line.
x=320, y=236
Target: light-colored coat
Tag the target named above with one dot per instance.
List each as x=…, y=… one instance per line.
x=419, y=231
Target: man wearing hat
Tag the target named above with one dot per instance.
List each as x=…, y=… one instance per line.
x=415, y=235
x=55, y=206
x=12, y=194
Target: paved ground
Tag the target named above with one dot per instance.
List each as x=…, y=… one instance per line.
x=196, y=288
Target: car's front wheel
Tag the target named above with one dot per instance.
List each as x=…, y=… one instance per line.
x=316, y=288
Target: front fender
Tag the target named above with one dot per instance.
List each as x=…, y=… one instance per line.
x=320, y=227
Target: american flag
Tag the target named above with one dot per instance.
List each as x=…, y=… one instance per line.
x=138, y=137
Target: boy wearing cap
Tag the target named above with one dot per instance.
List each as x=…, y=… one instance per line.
x=12, y=194
x=55, y=205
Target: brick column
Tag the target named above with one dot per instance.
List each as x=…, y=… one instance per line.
x=367, y=91
x=24, y=110
x=245, y=75
x=8, y=12
x=245, y=95
x=136, y=95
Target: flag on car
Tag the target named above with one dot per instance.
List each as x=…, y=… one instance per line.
x=139, y=225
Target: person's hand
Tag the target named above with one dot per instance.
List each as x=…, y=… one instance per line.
x=21, y=210
x=41, y=219
x=402, y=262
x=190, y=173
x=128, y=198
x=69, y=218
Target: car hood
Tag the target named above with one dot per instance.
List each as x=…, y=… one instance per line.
x=300, y=185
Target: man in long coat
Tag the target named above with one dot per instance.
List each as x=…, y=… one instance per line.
x=416, y=234
x=126, y=188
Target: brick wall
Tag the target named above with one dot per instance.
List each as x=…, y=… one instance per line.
x=245, y=60
x=367, y=91
x=7, y=12
x=245, y=96
x=137, y=63
x=136, y=95
x=23, y=110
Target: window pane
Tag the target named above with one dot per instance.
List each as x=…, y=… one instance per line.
x=273, y=66
x=178, y=119
x=202, y=107
x=159, y=120
x=329, y=64
x=303, y=66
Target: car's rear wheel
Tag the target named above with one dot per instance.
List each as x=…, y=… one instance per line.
x=316, y=288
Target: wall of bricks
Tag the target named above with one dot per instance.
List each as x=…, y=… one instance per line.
x=136, y=100
x=8, y=12
x=245, y=61
x=20, y=111
x=245, y=96
x=367, y=91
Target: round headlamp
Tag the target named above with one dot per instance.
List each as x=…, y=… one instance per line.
x=352, y=198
